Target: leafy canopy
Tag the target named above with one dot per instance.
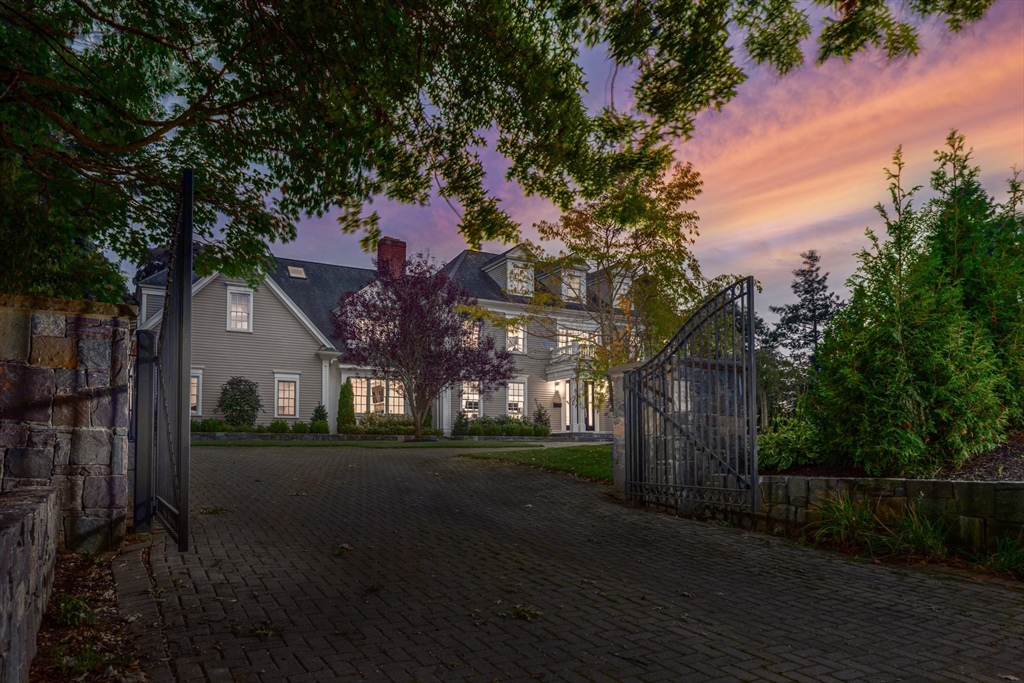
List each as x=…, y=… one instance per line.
x=410, y=324
x=286, y=108
x=240, y=402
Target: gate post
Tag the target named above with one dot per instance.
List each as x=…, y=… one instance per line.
x=620, y=427
x=145, y=388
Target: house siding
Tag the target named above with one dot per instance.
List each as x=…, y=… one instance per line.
x=278, y=342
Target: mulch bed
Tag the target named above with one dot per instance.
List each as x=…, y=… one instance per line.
x=83, y=636
x=1005, y=463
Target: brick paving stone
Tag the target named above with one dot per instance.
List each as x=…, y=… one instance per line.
x=440, y=547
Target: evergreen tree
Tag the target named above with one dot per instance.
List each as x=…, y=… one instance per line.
x=980, y=248
x=906, y=381
x=346, y=407
x=801, y=325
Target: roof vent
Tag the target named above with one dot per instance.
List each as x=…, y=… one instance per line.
x=297, y=272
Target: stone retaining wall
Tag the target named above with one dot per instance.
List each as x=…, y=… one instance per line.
x=258, y=436
x=29, y=530
x=64, y=411
x=977, y=512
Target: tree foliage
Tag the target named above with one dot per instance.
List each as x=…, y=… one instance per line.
x=45, y=250
x=636, y=240
x=802, y=324
x=346, y=406
x=240, y=402
x=411, y=324
x=907, y=380
x=288, y=108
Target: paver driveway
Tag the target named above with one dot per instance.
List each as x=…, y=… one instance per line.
x=442, y=546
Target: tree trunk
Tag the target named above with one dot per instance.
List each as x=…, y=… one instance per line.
x=417, y=423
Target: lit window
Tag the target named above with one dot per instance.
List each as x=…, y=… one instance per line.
x=378, y=394
x=396, y=398
x=359, y=393
x=239, y=311
x=471, y=399
x=287, y=396
x=572, y=341
x=195, y=393
x=516, y=339
x=516, y=398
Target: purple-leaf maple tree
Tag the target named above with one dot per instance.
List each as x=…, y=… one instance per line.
x=411, y=324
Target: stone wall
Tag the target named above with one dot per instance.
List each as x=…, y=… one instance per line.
x=29, y=527
x=64, y=411
x=977, y=512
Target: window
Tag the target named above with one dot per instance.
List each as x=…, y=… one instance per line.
x=378, y=392
x=396, y=398
x=572, y=283
x=515, y=339
x=286, y=395
x=571, y=341
x=297, y=272
x=377, y=396
x=239, y=310
x=195, y=392
x=471, y=399
x=359, y=393
x=516, y=398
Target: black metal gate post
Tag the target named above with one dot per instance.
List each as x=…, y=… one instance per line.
x=690, y=412
x=144, y=411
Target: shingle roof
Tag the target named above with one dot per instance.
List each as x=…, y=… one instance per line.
x=466, y=270
x=317, y=295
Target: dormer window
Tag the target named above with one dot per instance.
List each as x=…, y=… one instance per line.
x=297, y=272
x=572, y=285
x=520, y=278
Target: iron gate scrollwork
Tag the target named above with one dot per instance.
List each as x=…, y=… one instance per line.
x=690, y=411
x=162, y=391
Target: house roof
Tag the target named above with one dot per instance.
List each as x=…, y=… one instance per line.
x=317, y=295
x=466, y=270
x=160, y=279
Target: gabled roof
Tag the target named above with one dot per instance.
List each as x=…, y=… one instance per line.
x=317, y=295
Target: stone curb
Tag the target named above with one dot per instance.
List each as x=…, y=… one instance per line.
x=136, y=601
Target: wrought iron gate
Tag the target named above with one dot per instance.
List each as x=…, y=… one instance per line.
x=691, y=427
x=162, y=390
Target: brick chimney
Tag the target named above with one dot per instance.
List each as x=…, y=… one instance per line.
x=391, y=254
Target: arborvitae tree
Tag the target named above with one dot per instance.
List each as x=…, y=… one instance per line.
x=906, y=381
x=801, y=325
x=346, y=406
x=980, y=248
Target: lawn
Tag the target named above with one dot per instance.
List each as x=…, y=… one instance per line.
x=269, y=443
x=589, y=461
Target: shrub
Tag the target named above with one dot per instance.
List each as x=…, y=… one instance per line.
x=300, y=428
x=540, y=417
x=789, y=442
x=377, y=423
x=460, y=427
x=320, y=427
x=319, y=414
x=209, y=424
x=475, y=430
x=351, y=429
x=240, y=402
x=278, y=427
x=492, y=430
x=541, y=430
x=346, y=408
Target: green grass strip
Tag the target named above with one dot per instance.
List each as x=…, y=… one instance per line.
x=268, y=443
x=592, y=462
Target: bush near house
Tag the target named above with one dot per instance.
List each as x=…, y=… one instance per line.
x=240, y=402
x=320, y=427
x=300, y=428
x=319, y=415
x=346, y=407
x=503, y=425
x=386, y=425
x=278, y=427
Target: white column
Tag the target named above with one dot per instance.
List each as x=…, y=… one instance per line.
x=325, y=391
x=573, y=406
x=444, y=416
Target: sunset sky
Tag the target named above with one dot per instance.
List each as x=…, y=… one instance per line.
x=792, y=163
